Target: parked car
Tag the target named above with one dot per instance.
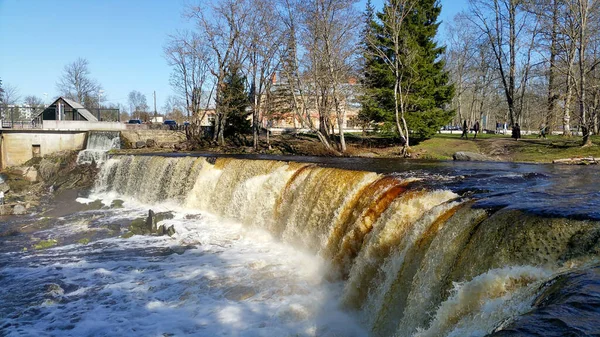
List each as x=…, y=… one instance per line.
x=134, y=121
x=171, y=123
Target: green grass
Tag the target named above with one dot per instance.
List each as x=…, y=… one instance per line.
x=529, y=149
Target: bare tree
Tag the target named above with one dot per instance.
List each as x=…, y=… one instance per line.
x=291, y=69
x=503, y=22
x=76, y=83
x=189, y=57
x=586, y=13
x=138, y=105
x=9, y=96
x=221, y=25
x=334, y=28
x=262, y=44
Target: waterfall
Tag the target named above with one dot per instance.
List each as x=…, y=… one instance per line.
x=98, y=145
x=414, y=261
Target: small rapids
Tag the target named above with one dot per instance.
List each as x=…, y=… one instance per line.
x=212, y=278
x=274, y=248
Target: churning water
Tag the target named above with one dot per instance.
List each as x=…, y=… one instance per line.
x=274, y=248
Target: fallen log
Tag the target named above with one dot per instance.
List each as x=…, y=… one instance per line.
x=577, y=161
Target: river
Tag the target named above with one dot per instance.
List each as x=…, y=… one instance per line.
x=300, y=246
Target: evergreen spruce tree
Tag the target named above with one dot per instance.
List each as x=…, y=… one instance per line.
x=234, y=99
x=377, y=79
x=426, y=91
x=429, y=93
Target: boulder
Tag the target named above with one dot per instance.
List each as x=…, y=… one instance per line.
x=140, y=144
x=19, y=209
x=171, y=230
x=150, y=142
x=470, y=156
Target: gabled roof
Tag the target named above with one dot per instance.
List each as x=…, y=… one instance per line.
x=80, y=109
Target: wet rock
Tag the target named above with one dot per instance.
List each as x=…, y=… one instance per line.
x=240, y=293
x=151, y=221
x=94, y=205
x=114, y=227
x=179, y=250
x=44, y=244
x=83, y=241
x=117, y=203
x=171, y=230
x=140, y=227
x=163, y=216
x=470, y=156
x=140, y=144
x=19, y=209
x=128, y=235
x=148, y=225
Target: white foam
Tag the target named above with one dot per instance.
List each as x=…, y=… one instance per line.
x=234, y=281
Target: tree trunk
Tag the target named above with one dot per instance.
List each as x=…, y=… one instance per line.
x=552, y=95
x=255, y=126
x=567, y=114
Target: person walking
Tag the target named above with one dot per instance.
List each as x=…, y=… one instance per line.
x=543, y=131
x=476, y=129
x=465, y=130
x=516, y=131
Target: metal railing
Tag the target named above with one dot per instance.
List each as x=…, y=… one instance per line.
x=20, y=125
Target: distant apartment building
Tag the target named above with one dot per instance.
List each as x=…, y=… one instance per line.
x=19, y=112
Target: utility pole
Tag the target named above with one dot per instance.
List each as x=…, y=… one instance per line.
x=155, y=120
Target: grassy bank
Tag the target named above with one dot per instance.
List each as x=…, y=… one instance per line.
x=502, y=147
x=439, y=147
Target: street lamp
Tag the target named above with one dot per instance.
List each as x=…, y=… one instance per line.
x=100, y=92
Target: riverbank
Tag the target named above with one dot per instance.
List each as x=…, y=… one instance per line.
x=529, y=149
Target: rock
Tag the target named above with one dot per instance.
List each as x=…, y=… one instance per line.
x=117, y=203
x=140, y=226
x=94, y=205
x=114, y=227
x=148, y=225
x=151, y=221
x=171, y=230
x=31, y=175
x=163, y=216
x=150, y=142
x=140, y=144
x=19, y=209
x=470, y=156
x=4, y=187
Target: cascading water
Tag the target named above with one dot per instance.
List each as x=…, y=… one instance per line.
x=98, y=145
x=413, y=261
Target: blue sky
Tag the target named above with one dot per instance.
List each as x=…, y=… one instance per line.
x=122, y=40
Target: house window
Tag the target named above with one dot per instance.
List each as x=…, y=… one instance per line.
x=36, y=151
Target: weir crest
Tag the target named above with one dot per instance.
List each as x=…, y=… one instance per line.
x=415, y=261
